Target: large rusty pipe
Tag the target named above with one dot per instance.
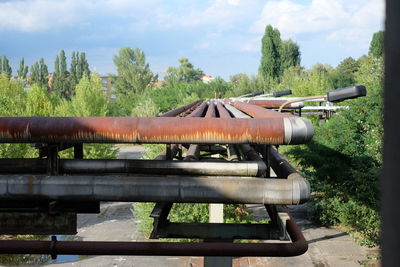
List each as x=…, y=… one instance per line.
x=152, y=130
x=179, y=110
x=297, y=247
x=194, y=189
x=132, y=166
x=297, y=127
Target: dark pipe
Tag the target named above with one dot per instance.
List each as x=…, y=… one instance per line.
x=297, y=247
x=281, y=166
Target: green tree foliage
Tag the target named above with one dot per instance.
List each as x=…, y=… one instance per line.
x=270, y=65
x=79, y=68
x=38, y=102
x=40, y=73
x=134, y=74
x=352, y=141
x=89, y=101
x=290, y=55
x=23, y=70
x=61, y=82
x=5, y=67
x=243, y=84
x=376, y=47
x=184, y=73
x=12, y=104
x=344, y=74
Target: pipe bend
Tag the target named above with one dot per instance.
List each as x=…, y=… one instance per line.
x=298, y=130
x=301, y=191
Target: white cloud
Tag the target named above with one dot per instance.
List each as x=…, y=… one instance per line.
x=42, y=15
x=335, y=18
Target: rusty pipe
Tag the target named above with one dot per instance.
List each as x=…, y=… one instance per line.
x=222, y=111
x=150, y=130
x=297, y=247
x=297, y=127
x=179, y=110
x=199, y=111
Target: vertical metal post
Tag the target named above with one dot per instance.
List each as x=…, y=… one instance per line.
x=168, y=152
x=78, y=151
x=216, y=215
x=52, y=159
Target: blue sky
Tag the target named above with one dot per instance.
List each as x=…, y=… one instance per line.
x=222, y=37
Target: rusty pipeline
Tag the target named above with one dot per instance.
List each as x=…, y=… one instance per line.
x=179, y=110
x=297, y=247
x=153, y=130
x=297, y=127
x=199, y=111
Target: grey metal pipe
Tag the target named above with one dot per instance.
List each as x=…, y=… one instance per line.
x=174, y=167
x=205, y=189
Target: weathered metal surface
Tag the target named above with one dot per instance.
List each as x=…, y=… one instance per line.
x=195, y=189
x=40, y=223
x=141, y=130
x=281, y=167
x=179, y=110
x=210, y=111
x=199, y=111
x=224, y=231
x=223, y=112
x=92, y=166
x=297, y=247
x=297, y=130
x=268, y=102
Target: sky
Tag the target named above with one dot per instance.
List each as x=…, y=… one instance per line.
x=221, y=37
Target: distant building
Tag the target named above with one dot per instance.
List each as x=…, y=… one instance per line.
x=206, y=78
x=107, y=85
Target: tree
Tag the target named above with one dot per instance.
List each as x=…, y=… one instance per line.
x=290, y=55
x=270, y=65
x=184, y=73
x=83, y=65
x=6, y=67
x=23, y=70
x=376, y=46
x=38, y=102
x=73, y=70
x=61, y=82
x=40, y=73
x=134, y=74
x=344, y=74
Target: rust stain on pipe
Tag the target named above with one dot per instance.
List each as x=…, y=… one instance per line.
x=141, y=130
